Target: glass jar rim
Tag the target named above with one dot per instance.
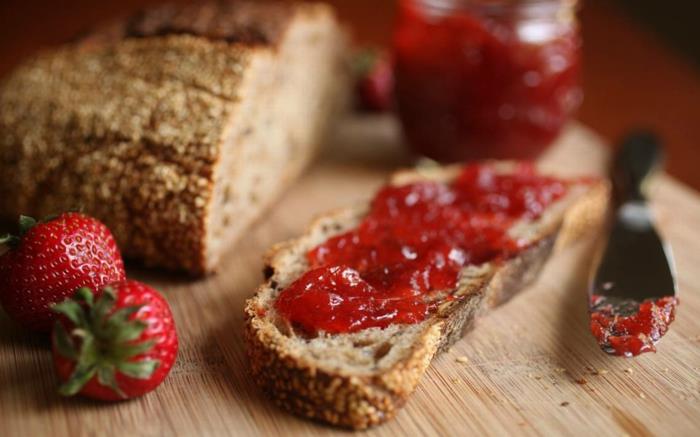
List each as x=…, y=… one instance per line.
x=495, y=6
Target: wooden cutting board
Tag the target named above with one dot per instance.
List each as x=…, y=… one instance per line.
x=530, y=367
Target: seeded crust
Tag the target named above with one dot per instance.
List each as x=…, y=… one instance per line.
x=176, y=127
x=359, y=380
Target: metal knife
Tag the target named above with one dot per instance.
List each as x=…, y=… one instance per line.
x=632, y=294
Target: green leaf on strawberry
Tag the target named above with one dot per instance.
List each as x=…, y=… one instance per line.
x=106, y=341
x=116, y=344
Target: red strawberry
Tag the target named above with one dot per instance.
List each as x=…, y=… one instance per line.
x=375, y=81
x=119, y=346
x=50, y=260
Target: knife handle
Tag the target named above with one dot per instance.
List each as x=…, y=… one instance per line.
x=639, y=155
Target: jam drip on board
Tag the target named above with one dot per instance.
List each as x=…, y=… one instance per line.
x=627, y=327
x=400, y=262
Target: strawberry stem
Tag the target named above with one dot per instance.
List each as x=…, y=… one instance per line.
x=101, y=342
x=25, y=224
x=9, y=239
x=363, y=61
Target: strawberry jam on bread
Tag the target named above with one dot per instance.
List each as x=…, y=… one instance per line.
x=354, y=310
x=411, y=246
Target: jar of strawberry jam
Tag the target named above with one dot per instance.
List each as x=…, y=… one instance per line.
x=485, y=78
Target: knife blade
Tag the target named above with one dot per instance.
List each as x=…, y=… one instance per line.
x=632, y=294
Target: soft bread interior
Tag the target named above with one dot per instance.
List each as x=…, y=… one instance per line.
x=288, y=96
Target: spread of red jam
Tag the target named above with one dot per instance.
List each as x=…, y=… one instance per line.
x=399, y=262
x=635, y=329
x=483, y=78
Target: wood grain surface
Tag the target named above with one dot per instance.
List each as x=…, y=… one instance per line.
x=530, y=367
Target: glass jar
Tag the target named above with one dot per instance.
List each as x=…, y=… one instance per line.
x=485, y=79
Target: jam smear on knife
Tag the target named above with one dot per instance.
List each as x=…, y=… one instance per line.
x=629, y=328
x=398, y=263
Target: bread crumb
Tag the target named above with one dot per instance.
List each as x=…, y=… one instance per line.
x=462, y=359
x=629, y=370
x=602, y=372
x=642, y=395
x=455, y=380
x=560, y=369
x=564, y=404
x=581, y=381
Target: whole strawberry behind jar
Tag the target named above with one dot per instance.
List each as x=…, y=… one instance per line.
x=485, y=78
x=373, y=74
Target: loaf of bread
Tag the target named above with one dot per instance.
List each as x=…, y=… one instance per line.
x=360, y=379
x=176, y=127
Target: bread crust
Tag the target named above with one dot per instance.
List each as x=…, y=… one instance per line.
x=130, y=123
x=298, y=385
x=249, y=23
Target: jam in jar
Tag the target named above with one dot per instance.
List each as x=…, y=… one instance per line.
x=485, y=78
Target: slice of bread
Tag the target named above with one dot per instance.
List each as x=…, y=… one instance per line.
x=176, y=127
x=360, y=379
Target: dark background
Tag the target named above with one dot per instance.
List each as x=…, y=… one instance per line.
x=641, y=58
x=676, y=22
